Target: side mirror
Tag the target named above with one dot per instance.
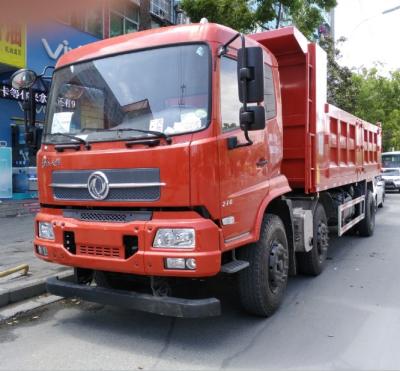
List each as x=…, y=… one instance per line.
x=23, y=79
x=251, y=75
x=251, y=89
x=253, y=118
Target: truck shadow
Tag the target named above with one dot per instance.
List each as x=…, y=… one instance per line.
x=315, y=311
x=220, y=340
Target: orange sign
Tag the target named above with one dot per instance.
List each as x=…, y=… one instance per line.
x=13, y=45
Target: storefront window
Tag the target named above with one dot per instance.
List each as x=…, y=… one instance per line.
x=94, y=23
x=162, y=9
x=91, y=21
x=124, y=18
x=116, y=25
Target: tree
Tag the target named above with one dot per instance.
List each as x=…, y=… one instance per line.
x=342, y=91
x=248, y=15
x=365, y=93
x=378, y=99
x=233, y=13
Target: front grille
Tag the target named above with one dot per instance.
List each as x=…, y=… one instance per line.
x=114, y=176
x=121, y=194
x=109, y=252
x=108, y=216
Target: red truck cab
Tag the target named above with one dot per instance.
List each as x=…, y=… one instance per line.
x=196, y=175
x=145, y=170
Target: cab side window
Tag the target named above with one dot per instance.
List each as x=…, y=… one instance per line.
x=269, y=93
x=230, y=103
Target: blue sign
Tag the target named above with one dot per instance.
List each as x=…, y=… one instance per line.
x=47, y=43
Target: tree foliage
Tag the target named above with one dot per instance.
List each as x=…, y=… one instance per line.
x=378, y=100
x=232, y=13
x=248, y=15
x=365, y=93
x=341, y=90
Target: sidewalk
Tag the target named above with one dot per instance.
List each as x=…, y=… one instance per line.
x=16, y=236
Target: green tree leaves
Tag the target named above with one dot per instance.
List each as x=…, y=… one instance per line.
x=248, y=15
x=378, y=99
x=233, y=13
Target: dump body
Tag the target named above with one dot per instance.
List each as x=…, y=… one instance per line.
x=323, y=146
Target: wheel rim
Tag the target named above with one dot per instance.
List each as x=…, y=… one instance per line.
x=278, y=266
x=322, y=241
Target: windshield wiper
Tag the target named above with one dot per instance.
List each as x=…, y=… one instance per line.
x=73, y=137
x=158, y=134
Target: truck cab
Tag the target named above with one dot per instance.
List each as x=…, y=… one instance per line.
x=136, y=166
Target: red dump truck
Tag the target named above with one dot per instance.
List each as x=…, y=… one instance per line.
x=175, y=155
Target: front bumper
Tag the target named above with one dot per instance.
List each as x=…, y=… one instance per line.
x=100, y=245
x=166, y=306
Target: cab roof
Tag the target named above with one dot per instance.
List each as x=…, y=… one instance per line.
x=192, y=33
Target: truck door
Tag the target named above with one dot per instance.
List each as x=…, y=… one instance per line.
x=243, y=171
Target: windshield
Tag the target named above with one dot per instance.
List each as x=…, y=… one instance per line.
x=392, y=172
x=161, y=90
x=391, y=160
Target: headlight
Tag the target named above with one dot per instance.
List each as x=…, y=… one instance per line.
x=46, y=230
x=175, y=238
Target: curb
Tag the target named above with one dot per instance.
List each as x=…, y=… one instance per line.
x=23, y=309
x=28, y=291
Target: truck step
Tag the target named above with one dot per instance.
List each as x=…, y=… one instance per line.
x=234, y=266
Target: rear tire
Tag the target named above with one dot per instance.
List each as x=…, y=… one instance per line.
x=382, y=202
x=313, y=262
x=367, y=225
x=263, y=283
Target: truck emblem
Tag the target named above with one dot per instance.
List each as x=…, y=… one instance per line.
x=98, y=185
x=50, y=163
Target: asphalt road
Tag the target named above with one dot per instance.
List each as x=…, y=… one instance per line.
x=347, y=318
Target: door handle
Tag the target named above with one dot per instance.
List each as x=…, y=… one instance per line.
x=262, y=162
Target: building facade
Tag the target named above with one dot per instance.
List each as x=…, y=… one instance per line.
x=36, y=47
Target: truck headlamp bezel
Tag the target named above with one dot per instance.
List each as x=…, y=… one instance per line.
x=175, y=238
x=46, y=231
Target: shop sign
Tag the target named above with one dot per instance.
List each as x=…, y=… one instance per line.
x=13, y=45
x=8, y=92
x=49, y=41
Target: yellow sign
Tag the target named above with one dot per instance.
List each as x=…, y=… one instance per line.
x=13, y=45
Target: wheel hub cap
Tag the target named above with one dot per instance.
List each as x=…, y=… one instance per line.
x=277, y=266
x=322, y=240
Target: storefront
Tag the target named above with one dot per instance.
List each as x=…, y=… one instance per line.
x=33, y=47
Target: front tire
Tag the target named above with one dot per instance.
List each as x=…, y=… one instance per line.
x=313, y=262
x=263, y=283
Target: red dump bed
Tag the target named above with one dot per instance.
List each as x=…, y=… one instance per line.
x=324, y=146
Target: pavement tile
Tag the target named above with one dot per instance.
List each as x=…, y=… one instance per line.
x=16, y=235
